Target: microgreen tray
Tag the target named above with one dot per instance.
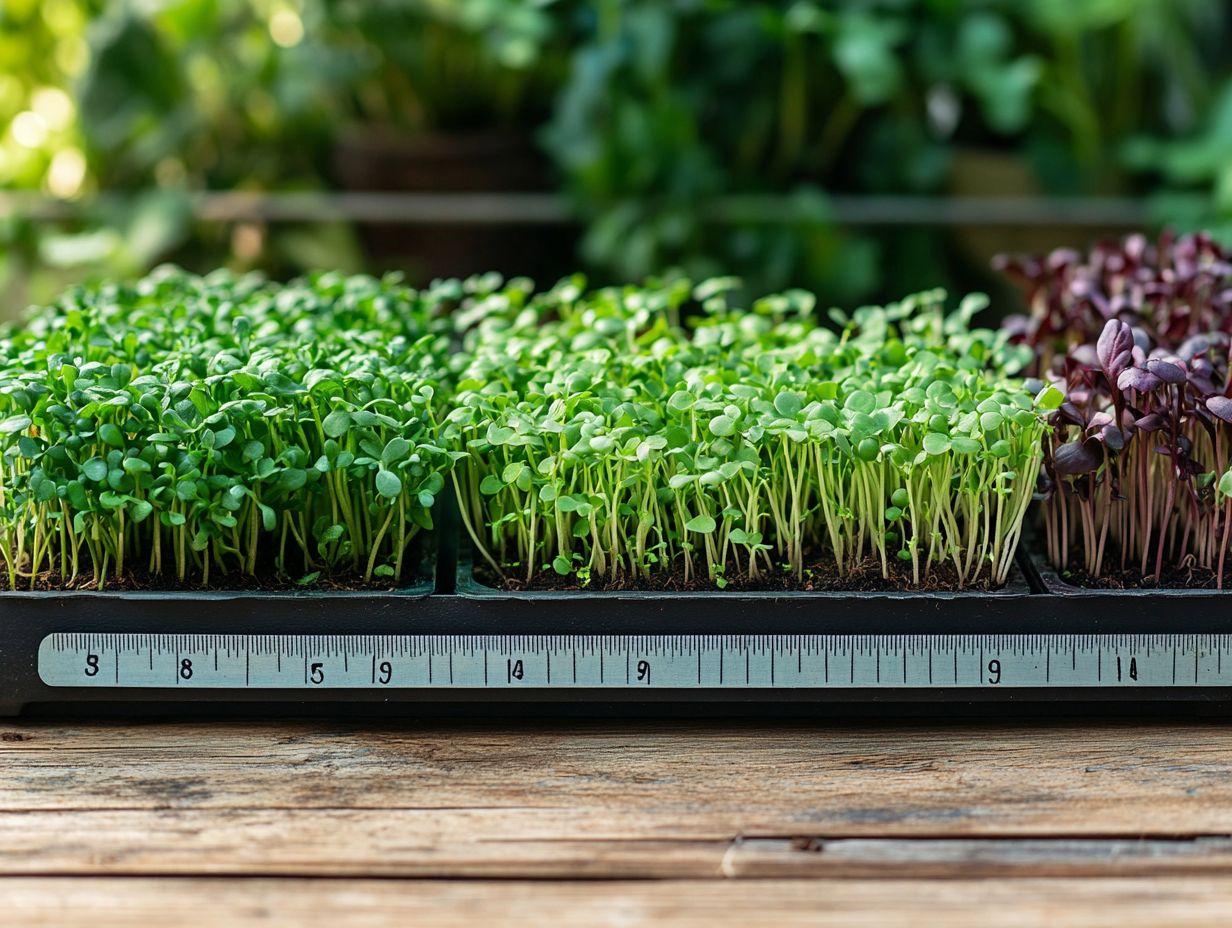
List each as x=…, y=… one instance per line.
x=492, y=649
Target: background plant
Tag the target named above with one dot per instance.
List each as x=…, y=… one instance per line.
x=668, y=124
x=191, y=428
x=882, y=97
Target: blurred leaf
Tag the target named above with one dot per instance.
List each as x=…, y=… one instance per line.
x=159, y=221
x=325, y=245
x=79, y=250
x=864, y=53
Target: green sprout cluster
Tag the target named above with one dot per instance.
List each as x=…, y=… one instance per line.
x=187, y=428
x=608, y=442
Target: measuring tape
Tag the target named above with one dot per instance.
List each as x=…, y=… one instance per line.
x=678, y=662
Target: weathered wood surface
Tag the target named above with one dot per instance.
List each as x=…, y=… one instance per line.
x=1164, y=902
x=1080, y=823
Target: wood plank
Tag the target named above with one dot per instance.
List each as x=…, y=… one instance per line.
x=205, y=903
x=950, y=858
x=654, y=781
x=521, y=844
x=480, y=843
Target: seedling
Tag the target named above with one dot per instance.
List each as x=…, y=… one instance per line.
x=609, y=431
x=1136, y=474
x=193, y=428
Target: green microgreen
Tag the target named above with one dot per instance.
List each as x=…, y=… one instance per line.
x=602, y=432
x=195, y=427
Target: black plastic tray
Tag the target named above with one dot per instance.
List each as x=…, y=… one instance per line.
x=1023, y=608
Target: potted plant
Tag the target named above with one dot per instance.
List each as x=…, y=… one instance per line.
x=446, y=100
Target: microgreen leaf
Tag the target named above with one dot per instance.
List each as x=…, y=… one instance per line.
x=702, y=524
x=788, y=404
x=336, y=423
x=110, y=434
x=395, y=450
x=388, y=484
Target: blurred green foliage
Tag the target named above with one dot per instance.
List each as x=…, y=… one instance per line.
x=670, y=104
x=164, y=97
x=650, y=109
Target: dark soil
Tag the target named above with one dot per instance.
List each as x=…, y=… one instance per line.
x=227, y=583
x=1173, y=578
x=267, y=579
x=819, y=577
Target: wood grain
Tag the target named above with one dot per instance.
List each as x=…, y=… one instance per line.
x=333, y=823
x=493, y=844
x=656, y=781
x=213, y=903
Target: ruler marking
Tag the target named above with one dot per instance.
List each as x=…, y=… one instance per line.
x=664, y=661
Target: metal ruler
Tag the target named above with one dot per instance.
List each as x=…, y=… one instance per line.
x=678, y=662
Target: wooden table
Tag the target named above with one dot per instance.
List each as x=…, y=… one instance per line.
x=623, y=824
